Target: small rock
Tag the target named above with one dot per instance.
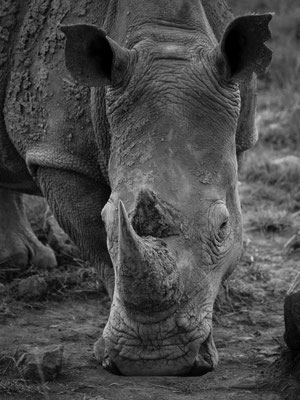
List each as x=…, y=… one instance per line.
x=32, y=287
x=41, y=364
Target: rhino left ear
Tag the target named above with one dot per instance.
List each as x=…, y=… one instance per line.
x=242, y=47
x=93, y=58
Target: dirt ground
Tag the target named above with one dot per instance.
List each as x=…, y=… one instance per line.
x=248, y=330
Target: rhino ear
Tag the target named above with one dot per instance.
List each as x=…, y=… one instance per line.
x=93, y=58
x=242, y=47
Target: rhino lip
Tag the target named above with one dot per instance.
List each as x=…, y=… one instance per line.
x=206, y=359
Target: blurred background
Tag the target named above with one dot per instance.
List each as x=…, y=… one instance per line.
x=273, y=166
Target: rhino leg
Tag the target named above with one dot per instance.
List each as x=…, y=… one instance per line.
x=57, y=238
x=18, y=244
x=77, y=202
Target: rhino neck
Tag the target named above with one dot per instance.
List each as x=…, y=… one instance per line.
x=130, y=21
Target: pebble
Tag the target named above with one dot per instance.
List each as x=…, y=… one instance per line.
x=41, y=364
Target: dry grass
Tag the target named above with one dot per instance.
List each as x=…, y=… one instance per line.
x=278, y=118
x=265, y=167
x=10, y=387
x=243, y=289
x=270, y=221
x=76, y=279
x=273, y=179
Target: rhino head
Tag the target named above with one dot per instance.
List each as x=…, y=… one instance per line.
x=173, y=220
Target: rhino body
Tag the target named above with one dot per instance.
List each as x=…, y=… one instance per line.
x=135, y=147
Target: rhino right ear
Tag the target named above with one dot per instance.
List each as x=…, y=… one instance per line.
x=93, y=58
x=242, y=47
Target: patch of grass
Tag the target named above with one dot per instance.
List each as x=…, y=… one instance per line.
x=76, y=280
x=272, y=179
x=283, y=172
x=80, y=279
x=278, y=118
x=10, y=387
x=237, y=293
x=260, y=192
x=270, y=221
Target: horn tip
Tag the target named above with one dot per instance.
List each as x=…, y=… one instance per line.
x=123, y=216
x=122, y=211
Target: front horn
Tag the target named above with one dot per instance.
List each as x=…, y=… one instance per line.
x=147, y=276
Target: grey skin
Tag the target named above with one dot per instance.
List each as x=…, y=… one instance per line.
x=141, y=169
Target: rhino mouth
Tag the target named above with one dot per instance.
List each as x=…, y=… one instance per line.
x=134, y=349
x=204, y=362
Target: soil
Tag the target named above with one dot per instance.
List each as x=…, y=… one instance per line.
x=248, y=331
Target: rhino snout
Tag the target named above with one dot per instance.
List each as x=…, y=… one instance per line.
x=205, y=361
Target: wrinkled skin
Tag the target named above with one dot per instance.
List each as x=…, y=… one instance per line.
x=143, y=176
x=19, y=245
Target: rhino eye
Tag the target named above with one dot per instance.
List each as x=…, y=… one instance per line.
x=219, y=218
x=223, y=225
x=223, y=230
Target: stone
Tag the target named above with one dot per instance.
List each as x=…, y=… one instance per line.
x=41, y=364
x=32, y=287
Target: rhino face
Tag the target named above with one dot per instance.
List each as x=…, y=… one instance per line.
x=173, y=219
x=166, y=284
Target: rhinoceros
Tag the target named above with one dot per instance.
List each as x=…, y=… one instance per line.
x=135, y=145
